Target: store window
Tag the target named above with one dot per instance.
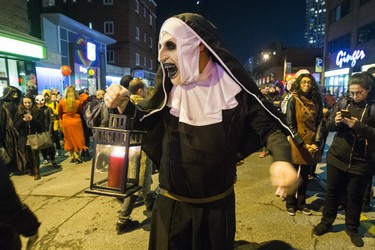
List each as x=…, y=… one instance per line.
x=3, y=75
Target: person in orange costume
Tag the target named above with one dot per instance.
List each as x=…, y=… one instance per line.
x=70, y=108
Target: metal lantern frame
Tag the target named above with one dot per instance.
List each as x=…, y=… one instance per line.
x=119, y=151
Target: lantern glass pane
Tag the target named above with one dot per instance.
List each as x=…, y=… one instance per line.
x=109, y=165
x=133, y=166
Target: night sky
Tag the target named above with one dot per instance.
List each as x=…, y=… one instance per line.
x=246, y=26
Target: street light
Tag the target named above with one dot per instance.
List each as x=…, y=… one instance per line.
x=266, y=56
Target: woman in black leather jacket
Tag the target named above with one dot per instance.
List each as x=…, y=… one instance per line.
x=351, y=157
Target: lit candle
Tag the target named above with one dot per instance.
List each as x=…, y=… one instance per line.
x=116, y=168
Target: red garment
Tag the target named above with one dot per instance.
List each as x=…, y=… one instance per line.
x=71, y=125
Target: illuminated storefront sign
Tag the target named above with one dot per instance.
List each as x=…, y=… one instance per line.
x=13, y=46
x=91, y=51
x=344, y=57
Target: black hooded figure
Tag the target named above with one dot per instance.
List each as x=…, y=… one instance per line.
x=205, y=115
x=8, y=133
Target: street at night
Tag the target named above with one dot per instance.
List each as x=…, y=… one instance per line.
x=73, y=219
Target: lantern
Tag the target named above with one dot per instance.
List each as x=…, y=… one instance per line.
x=117, y=158
x=65, y=70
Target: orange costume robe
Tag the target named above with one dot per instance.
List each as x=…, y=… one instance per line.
x=71, y=125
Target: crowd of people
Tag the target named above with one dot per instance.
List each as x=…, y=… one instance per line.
x=205, y=115
x=311, y=113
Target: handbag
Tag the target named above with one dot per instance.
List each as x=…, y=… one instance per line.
x=39, y=140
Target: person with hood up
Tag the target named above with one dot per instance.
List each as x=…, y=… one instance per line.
x=16, y=162
x=206, y=114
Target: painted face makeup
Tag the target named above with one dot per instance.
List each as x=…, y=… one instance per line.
x=179, y=52
x=169, y=58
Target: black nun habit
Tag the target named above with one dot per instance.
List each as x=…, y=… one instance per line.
x=197, y=164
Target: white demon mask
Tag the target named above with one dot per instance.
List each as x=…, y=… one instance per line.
x=39, y=99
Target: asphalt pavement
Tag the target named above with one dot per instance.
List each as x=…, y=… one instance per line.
x=74, y=219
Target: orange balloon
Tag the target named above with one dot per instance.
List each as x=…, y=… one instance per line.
x=65, y=70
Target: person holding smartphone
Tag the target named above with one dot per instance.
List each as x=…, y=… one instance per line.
x=351, y=157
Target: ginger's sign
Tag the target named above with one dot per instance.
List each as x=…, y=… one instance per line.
x=344, y=57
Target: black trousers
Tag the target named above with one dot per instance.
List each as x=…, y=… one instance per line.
x=299, y=202
x=339, y=182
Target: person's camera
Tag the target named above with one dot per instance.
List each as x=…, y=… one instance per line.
x=345, y=113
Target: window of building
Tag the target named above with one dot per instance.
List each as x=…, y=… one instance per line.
x=339, y=12
x=110, y=56
x=150, y=43
x=137, y=6
x=108, y=27
x=64, y=48
x=362, y=2
x=144, y=12
x=144, y=61
x=341, y=43
x=150, y=20
x=151, y=64
x=48, y=3
x=107, y=2
x=144, y=37
x=366, y=33
x=137, y=33
x=137, y=59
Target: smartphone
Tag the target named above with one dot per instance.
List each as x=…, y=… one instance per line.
x=345, y=113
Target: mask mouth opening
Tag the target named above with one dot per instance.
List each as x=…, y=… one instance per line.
x=171, y=69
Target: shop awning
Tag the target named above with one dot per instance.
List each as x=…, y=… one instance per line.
x=16, y=43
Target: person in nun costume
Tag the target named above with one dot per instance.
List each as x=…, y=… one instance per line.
x=206, y=114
